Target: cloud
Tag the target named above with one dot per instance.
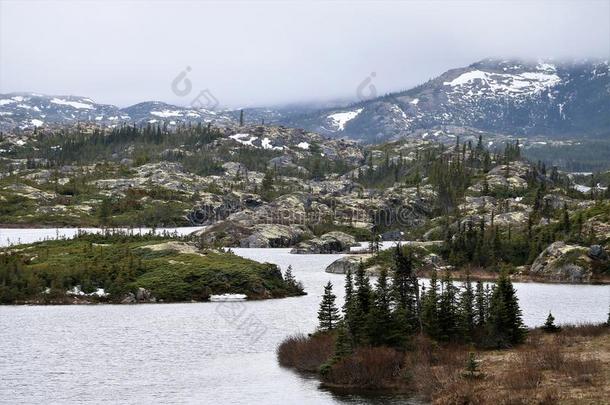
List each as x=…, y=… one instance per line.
x=257, y=53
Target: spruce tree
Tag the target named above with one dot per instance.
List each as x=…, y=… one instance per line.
x=472, y=365
x=349, y=292
x=405, y=291
x=447, y=311
x=343, y=344
x=481, y=304
x=328, y=314
x=429, y=311
x=505, y=325
x=549, y=324
x=289, y=277
x=467, y=310
x=380, y=326
x=361, y=306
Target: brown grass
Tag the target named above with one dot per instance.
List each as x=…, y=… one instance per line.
x=306, y=353
x=568, y=367
x=367, y=368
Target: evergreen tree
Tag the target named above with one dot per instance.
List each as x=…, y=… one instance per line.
x=361, y=306
x=405, y=291
x=565, y=223
x=267, y=184
x=467, y=310
x=481, y=304
x=380, y=323
x=289, y=277
x=447, y=309
x=472, y=365
x=505, y=325
x=349, y=292
x=343, y=344
x=328, y=314
x=429, y=311
x=241, y=118
x=549, y=324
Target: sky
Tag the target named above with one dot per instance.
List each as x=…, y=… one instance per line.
x=260, y=53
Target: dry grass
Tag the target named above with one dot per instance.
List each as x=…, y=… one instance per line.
x=368, y=368
x=306, y=353
x=569, y=367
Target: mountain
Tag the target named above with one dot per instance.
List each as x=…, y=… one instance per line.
x=502, y=97
x=498, y=96
x=29, y=110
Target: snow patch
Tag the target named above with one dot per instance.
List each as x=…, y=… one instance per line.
x=303, y=145
x=498, y=83
x=37, y=123
x=340, y=119
x=240, y=138
x=166, y=113
x=266, y=144
x=73, y=104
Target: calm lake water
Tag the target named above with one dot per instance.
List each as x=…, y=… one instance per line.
x=220, y=352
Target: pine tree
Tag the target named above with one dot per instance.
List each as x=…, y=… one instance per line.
x=565, y=223
x=343, y=344
x=349, y=292
x=267, y=184
x=405, y=291
x=549, y=325
x=380, y=323
x=447, y=311
x=361, y=306
x=241, y=118
x=481, y=304
x=328, y=314
x=429, y=311
x=472, y=365
x=505, y=325
x=289, y=277
x=467, y=310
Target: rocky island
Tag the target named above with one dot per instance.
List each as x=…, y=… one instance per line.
x=128, y=269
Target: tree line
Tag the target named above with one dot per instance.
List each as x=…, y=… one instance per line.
x=393, y=311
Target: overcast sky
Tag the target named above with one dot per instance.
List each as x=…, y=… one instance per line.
x=263, y=53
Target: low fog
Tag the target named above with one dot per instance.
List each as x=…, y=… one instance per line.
x=270, y=53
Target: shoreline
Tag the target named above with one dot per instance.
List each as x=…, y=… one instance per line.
x=568, y=364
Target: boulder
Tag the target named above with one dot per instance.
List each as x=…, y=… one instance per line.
x=331, y=242
x=273, y=236
x=343, y=264
x=597, y=252
x=129, y=298
x=144, y=295
x=561, y=262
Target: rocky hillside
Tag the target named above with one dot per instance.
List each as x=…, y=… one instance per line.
x=31, y=110
x=495, y=96
x=512, y=97
x=272, y=186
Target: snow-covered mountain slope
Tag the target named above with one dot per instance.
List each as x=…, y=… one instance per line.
x=28, y=110
x=510, y=97
x=502, y=96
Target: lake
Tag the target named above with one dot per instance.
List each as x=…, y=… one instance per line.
x=220, y=352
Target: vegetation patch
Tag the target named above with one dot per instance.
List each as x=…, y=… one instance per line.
x=107, y=268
